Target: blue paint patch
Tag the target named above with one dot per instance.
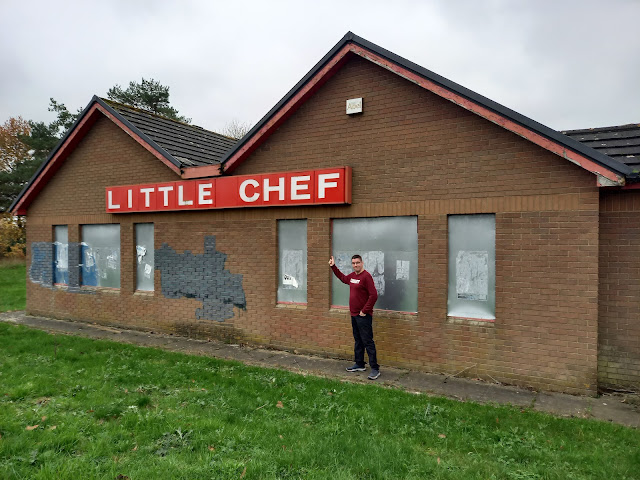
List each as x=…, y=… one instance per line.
x=202, y=277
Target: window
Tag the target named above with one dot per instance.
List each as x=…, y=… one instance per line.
x=292, y=254
x=144, y=257
x=472, y=266
x=389, y=250
x=101, y=255
x=61, y=255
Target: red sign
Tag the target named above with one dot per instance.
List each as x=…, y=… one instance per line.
x=313, y=187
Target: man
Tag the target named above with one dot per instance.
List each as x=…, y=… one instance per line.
x=362, y=298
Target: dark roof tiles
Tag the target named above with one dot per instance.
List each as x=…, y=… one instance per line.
x=619, y=142
x=190, y=145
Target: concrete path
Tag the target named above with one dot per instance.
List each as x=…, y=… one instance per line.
x=624, y=410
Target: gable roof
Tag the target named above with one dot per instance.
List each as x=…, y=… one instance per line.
x=189, y=145
x=608, y=170
x=620, y=142
x=192, y=152
x=182, y=147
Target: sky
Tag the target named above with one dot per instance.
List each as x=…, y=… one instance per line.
x=568, y=64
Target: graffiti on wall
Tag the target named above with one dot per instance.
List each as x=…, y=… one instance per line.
x=40, y=270
x=202, y=277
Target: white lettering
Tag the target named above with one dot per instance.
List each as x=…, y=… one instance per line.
x=243, y=187
x=295, y=188
x=323, y=184
x=353, y=280
x=181, y=201
x=130, y=198
x=204, y=190
x=165, y=191
x=110, y=200
x=279, y=188
x=146, y=192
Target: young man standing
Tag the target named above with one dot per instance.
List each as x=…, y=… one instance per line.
x=362, y=298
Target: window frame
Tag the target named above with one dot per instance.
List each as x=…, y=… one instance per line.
x=390, y=258
x=281, y=288
x=475, y=241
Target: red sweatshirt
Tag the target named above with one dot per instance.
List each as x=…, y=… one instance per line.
x=362, y=291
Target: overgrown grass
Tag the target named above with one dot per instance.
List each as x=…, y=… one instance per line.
x=77, y=408
x=13, y=288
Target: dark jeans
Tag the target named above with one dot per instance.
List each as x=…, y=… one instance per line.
x=363, y=336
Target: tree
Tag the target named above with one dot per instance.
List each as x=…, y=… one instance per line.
x=149, y=95
x=13, y=240
x=236, y=129
x=12, y=149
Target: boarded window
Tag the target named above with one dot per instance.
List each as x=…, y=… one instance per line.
x=144, y=257
x=292, y=255
x=472, y=266
x=61, y=254
x=100, y=250
x=389, y=250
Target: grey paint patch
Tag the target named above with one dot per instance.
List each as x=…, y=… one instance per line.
x=202, y=277
x=41, y=268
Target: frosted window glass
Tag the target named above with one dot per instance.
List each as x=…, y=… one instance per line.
x=292, y=264
x=389, y=250
x=472, y=266
x=61, y=255
x=144, y=257
x=100, y=255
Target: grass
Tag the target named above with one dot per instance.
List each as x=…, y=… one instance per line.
x=13, y=288
x=79, y=408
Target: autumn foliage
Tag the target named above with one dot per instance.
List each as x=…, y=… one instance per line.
x=12, y=236
x=12, y=149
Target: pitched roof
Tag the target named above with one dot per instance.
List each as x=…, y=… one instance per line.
x=619, y=142
x=609, y=171
x=183, y=148
x=189, y=145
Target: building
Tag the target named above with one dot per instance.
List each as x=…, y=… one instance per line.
x=499, y=246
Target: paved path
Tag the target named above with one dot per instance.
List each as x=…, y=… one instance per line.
x=612, y=408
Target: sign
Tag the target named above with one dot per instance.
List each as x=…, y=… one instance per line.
x=354, y=105
x=313, y=187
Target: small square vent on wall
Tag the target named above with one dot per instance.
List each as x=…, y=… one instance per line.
x=354, y=105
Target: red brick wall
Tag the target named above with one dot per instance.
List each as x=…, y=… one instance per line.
x=412, y=153
x=619, y=294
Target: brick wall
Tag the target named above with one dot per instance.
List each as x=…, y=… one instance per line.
x=412, y=153
x=619, y=292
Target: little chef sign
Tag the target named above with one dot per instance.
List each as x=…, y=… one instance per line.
x=313, y=187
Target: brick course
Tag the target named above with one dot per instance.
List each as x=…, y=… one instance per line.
x=412, y=153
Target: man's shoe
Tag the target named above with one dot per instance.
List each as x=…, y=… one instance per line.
x=356, y=368
x=375, y=373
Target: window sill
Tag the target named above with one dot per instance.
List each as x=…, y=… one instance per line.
x=292, y=305
x=144, y=293
x=107, y=290
x=376, y=312
x=484, y=322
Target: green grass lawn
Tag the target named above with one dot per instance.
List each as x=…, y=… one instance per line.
x=13, y=289
x=77, y=408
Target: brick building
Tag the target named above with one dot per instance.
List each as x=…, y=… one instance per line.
x=498, y=245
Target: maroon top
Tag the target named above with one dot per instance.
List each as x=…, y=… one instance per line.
x=362, y=291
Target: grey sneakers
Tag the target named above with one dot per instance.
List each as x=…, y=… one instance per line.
x=374, y=374
x=356, y=368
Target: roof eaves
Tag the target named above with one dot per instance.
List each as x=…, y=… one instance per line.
x=81, y=122
x=143, y=136
x=617, y=169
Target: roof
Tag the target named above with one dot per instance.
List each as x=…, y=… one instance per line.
x=183, y=148
x=610, y=170
x=619, y=142
x=192, y=152
x=189, y=145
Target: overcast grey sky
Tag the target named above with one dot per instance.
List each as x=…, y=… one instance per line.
x=566, y=64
